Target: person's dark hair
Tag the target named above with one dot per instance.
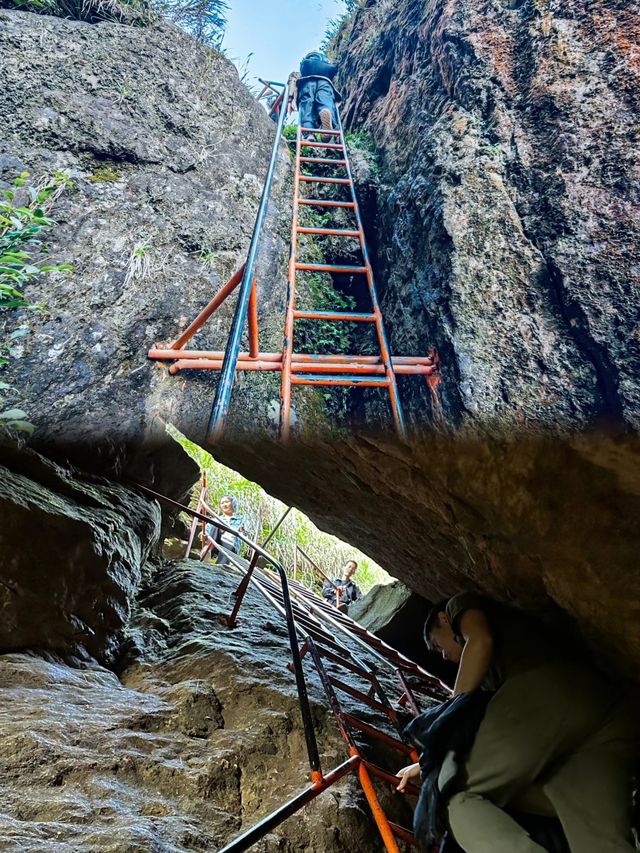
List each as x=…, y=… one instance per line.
x=355, y=563
x=432, y=621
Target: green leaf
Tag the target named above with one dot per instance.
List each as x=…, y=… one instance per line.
x=22, y=426
x=13, y=415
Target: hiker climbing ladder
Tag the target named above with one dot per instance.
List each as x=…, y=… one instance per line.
x=301, y=368
x=325, y=636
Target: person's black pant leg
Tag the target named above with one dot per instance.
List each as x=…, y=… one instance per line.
x=306, y=99
x=325, y=99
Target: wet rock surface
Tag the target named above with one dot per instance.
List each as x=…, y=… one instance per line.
x=72, y=551
x=508, y=211
x=198, y=738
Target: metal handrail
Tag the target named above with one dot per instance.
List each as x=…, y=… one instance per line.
x=222, y=399
x=301, y=686
x=283, y=604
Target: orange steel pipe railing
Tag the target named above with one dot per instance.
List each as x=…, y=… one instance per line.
x=384, y=827
x=204, y=315
x=287, y=349
x=217, y=355
x=323, y=367
x=254, y=349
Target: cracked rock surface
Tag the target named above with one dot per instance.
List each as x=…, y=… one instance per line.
x=509, y=210
x=72, y=551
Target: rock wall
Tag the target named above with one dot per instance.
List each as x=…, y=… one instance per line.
x=198, y=738
x=167, y=153
x=72, y=551
x=549, y=524
x=509, y=208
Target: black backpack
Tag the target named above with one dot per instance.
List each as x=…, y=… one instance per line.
x=316, y=65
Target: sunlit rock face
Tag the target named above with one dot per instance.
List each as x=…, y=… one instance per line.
x=509, y=222
x=167, y=152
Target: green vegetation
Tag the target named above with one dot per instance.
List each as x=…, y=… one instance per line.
x=135, y=12
x=336, y=25
x=23, y=216
x=360, y=140
x=105, y=174
x=139, y=263
x=261, y=513
x=205, y=20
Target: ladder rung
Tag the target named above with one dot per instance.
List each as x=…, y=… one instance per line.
x=326, y=160
x=333, y=146
x=358, y=694
x=360, y=359
x=393, y=742
x=344, y=651
x=320, y=202
x=335, y=232
x=321, y=637
x=338, y=367
x=320, y=130
x=406, y=835
x=335, y=316
x=340, y=379
x=352, y=667
x=312, y=179
x=331, y=268
x=390, y=778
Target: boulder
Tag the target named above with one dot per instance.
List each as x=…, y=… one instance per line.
x=167, y=153
x=548, y=524
x=396, y=614
x=508, y=213
x=72, y=550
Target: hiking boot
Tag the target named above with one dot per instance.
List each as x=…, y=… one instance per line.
x=325, y=119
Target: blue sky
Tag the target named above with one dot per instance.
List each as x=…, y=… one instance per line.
x=278, y=33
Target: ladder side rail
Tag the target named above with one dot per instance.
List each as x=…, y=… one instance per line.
x=222, y=399
x=385, y=351
x=323, y=615
x=382, y=822
x=319, y=782
x=287, y=347
x=338, y=620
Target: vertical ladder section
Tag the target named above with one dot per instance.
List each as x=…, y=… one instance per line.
x=327, y=369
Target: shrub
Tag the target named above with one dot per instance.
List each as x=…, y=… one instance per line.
x=23, y=216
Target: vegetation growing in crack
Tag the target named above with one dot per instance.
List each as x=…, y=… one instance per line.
x=23, y=217
x=134, y=12
x=336, y=26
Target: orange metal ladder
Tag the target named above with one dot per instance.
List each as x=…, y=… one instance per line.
x=323, y=633
x=321, y=627
x=323, y=370
x=304, y=368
